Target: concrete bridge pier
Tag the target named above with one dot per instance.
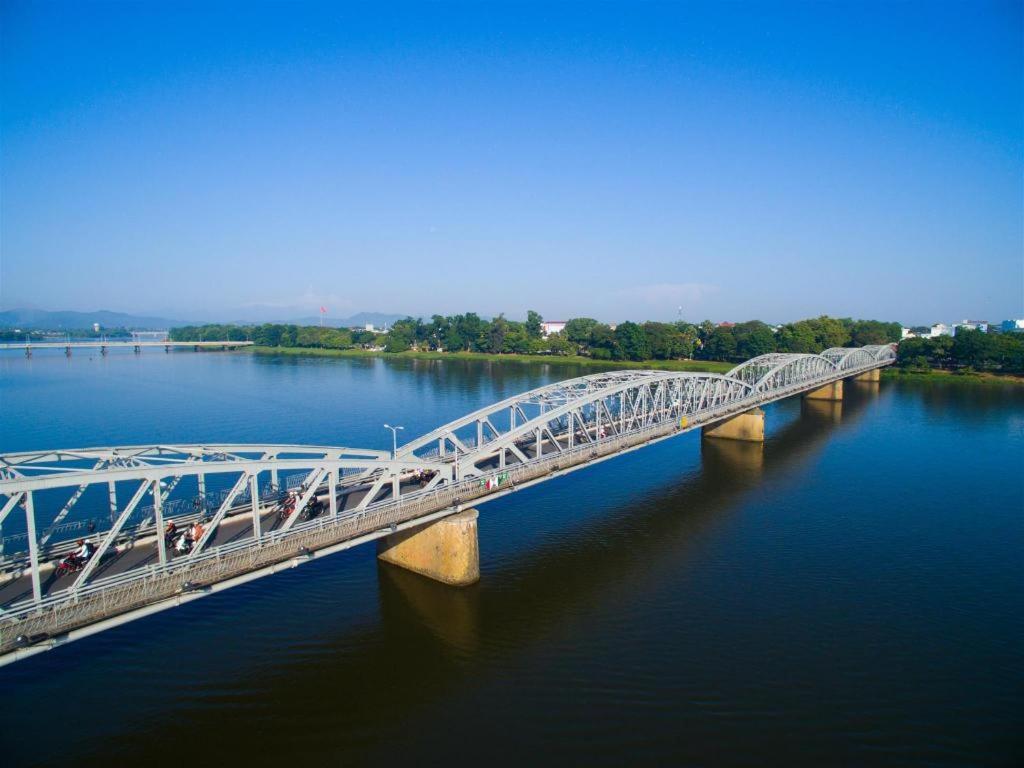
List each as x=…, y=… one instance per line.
x=875, y=375
x=445, y=550
x=747, y=426
x=833, y=391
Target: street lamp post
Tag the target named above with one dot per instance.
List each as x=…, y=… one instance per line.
x=394, y=439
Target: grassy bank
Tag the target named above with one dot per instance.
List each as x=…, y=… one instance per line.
x=707, y=366
x=941, y=375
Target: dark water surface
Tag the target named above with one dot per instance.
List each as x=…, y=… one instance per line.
x=851, y=594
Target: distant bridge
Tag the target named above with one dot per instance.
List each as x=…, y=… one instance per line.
x=365, y=494
x=136, y=345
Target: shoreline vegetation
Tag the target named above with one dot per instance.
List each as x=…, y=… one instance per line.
x=679, y=346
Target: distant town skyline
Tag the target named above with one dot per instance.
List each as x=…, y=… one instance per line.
x=743, y=162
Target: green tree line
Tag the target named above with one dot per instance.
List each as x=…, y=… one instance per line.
x=581, y=336
x=974, y=350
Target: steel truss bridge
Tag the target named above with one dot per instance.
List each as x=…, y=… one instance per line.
x=365, y=494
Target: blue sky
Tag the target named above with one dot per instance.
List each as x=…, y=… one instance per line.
x=613, y=160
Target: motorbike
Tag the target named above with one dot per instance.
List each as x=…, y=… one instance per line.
x=70, y=564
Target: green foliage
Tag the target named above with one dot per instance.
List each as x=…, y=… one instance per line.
x=533, y=324
x=753, y=338
x=864, y=332
x=814, y=335
x=668, y=342
x=558, y=344
x=630, y=341
x=720, y=345
x=578, y=330
x=976, y=350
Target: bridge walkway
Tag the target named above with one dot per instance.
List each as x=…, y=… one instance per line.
x=143, y=551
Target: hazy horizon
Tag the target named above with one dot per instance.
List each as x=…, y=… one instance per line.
x=750, y=161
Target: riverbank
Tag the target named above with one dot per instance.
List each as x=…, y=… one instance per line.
x=699, y=366
x=940, y=374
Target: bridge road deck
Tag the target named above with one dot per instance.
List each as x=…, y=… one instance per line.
x=143, y=551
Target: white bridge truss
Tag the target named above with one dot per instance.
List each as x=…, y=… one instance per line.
x=364, y=494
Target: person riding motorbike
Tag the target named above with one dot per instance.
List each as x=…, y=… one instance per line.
x=84, y=551
x=183, y=544
x=169, y=532
x=75, y=560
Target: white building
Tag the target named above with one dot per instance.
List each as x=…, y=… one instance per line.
x=971, y=325
x=548, y=327
x=940, y=329
x=95, y=327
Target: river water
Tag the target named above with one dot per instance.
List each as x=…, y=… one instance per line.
x=852, y=593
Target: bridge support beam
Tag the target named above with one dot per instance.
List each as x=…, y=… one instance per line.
x=747, y=426
x=445, y=550
x=875, y=375
x=833, y=391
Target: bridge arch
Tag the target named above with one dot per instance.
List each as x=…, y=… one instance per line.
x=845, y=358
x=881, y=352
x=586, y=409
x=782, y=370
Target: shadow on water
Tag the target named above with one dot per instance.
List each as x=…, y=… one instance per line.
x=344, y=696
x=432, y=640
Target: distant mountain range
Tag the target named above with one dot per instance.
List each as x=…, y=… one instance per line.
x=376, y=319
x=43, y=320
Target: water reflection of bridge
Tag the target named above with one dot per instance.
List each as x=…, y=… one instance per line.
x=368, y=495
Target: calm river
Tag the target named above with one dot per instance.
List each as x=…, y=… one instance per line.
x=851, y=594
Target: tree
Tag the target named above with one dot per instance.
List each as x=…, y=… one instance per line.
x=974, y=348
x=864, y=332
x=797, y=337
x=533, y=324
x=829, y=332
x=559, y=345
x=473, y=332
x=517, y=339
x=631, y=342
x=665, y=342
x=602, y=342
x=753, y=338
x=496, y=336
x=721, y=345
x=395, y=342
x=578, y=330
